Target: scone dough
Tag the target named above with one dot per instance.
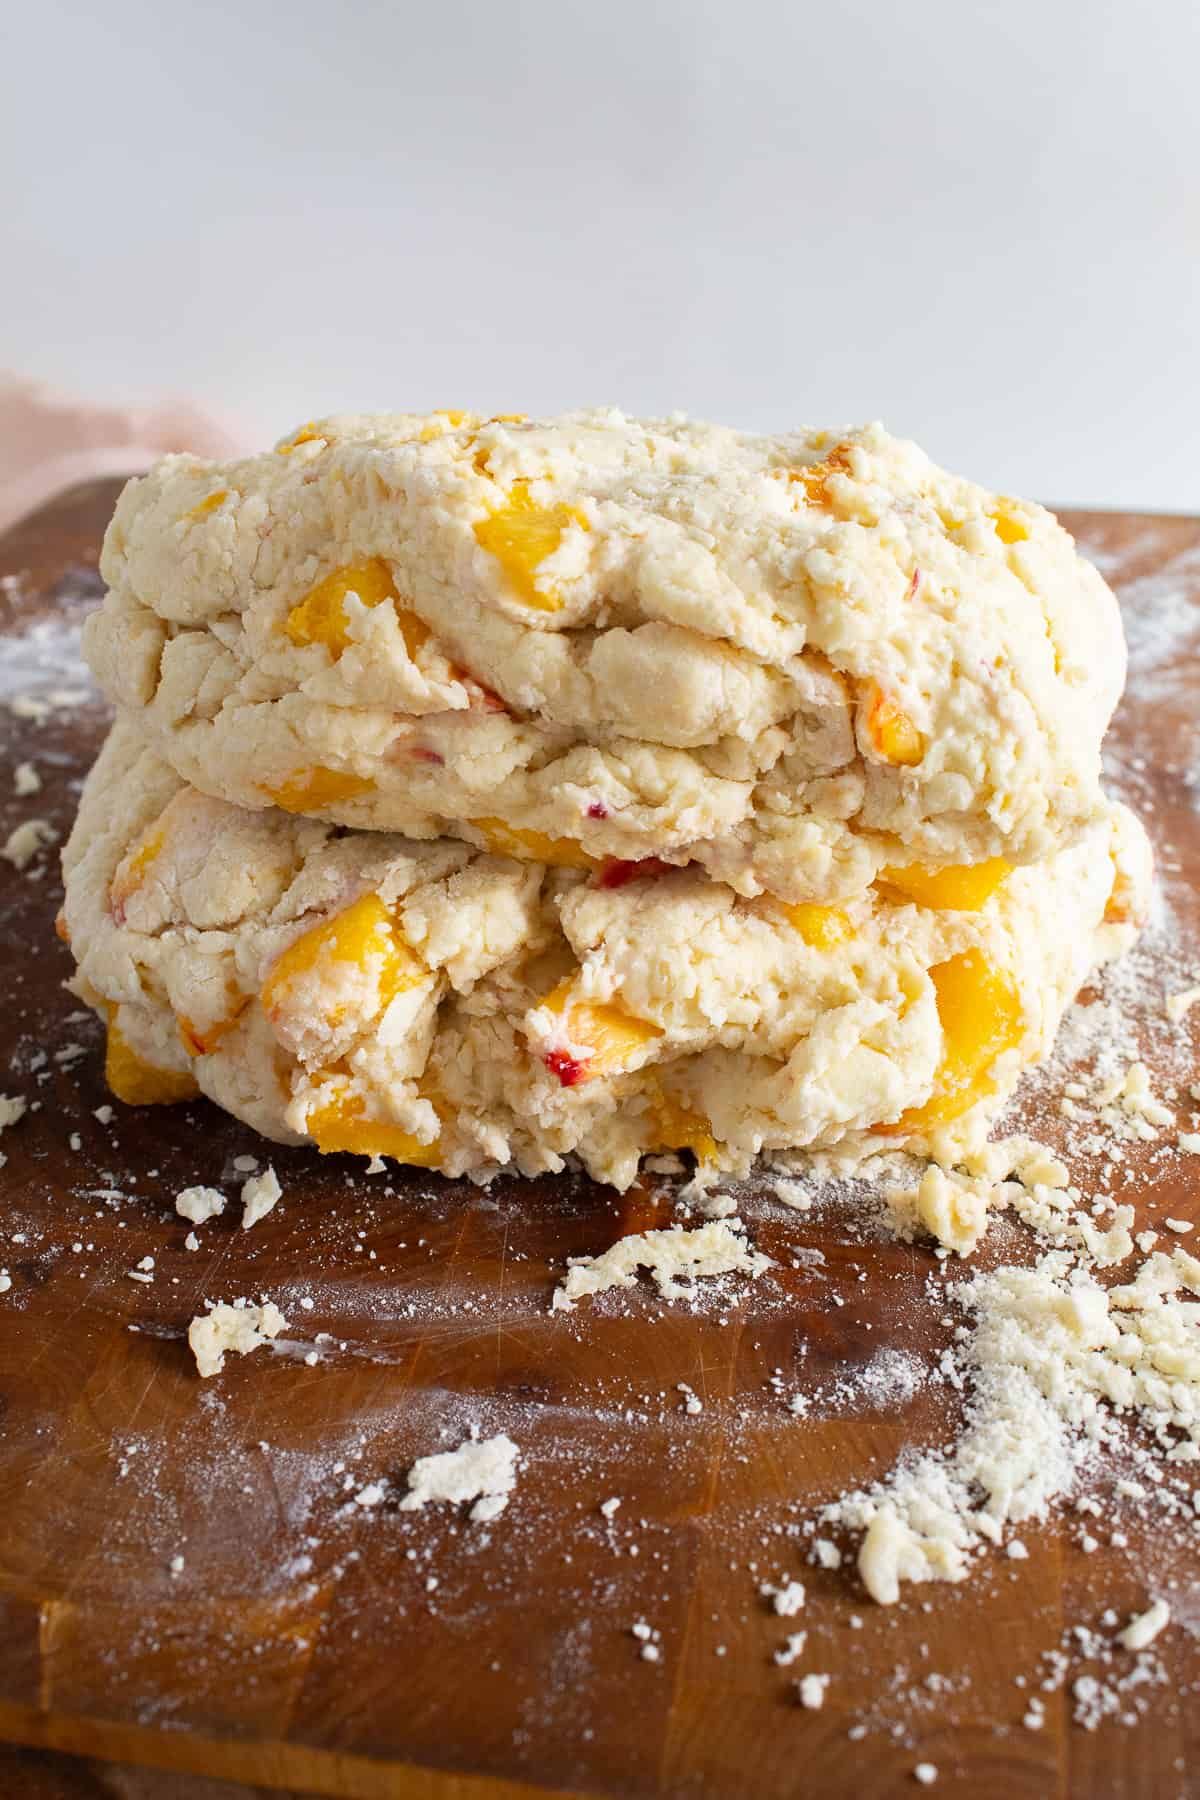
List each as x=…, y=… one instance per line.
x=468, y=1012
x=794, y=660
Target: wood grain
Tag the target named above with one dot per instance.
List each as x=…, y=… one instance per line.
x=303, y=1647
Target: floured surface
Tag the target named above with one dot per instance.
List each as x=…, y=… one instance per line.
x=420, y=1316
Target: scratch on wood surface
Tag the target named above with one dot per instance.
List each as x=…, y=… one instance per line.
x=53, y=1617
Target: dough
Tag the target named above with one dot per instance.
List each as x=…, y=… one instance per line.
x=794, y=660
x=467, y=1012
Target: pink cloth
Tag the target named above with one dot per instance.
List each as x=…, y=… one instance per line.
x=49, y=442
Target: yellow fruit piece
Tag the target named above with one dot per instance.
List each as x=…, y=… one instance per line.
x=677, y=1127
x=532, y=846
x=341, y=1124
x=1009, y=529
x=139, y=1083
x=207, y=505
x=199, y=1042
x=441, y=422
x=963, y=888
x=308, y=790
x=356, y=935
x=320, y=618
x=132, y=871
x=980, y=1013
x=521, y=535
x=604, y=1038
x=307, y=434
x=821, y=927
x=814, y=478
x=890, y=732
x=1121, y=907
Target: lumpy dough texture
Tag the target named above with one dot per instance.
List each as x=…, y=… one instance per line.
x=467, y=1011
x=795, y=660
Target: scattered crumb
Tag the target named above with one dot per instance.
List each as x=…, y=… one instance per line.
x=12, y=1108
x=787, y=1600
x=811, y=1690
x=238, y=1327
x=951, y=1208
x=792, y=1647
x=259, y=1194
x=25, y=841
x=1178, y=1004
x=672, y=1257
x=26, y=780
x=483, y=1471
x=199, y=1204
x=1143, y=1628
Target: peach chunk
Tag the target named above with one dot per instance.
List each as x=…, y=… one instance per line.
x=821, y=927
x=814, y=478
x=980, y=1013
x=131, y=871
x=307, y=434
x=200, y=1040
x=521, y=535
x=139, y=1083
x=602, y=1036
x=1009, y=529
x=308, y=790
x=677, y=1127
x=964, y=887
x=532, y=846
x=362, y=931
x=889, y=731
x=342, y=1124
x=1123, y=906
x=320, y=618
x=209, y=504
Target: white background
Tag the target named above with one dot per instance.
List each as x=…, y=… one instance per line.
x=979, y=222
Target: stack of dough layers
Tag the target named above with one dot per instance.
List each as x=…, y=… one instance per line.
x=488, y=792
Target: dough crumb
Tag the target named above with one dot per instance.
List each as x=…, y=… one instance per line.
x=259, y=1194
x=787, y=1600
x=1178, y=1004
x=672, y=1257
x=811, y=1689
x=26, y=780
x=1143, y=1628
x=199, y=1204
x=12, y=1108
x=24, y=842
x=951, y=1208
x=483, y=1471
x=241, y=1328
x=926, y=1774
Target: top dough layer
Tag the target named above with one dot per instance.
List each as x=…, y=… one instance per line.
x=794, y=659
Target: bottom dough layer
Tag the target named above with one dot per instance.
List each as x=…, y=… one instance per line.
x=469, y=1013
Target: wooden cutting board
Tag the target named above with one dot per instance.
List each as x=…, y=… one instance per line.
x=309, y=1643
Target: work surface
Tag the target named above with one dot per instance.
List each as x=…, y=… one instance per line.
x=308, y=1642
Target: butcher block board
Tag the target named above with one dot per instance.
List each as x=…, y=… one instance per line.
x=310, y=1644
